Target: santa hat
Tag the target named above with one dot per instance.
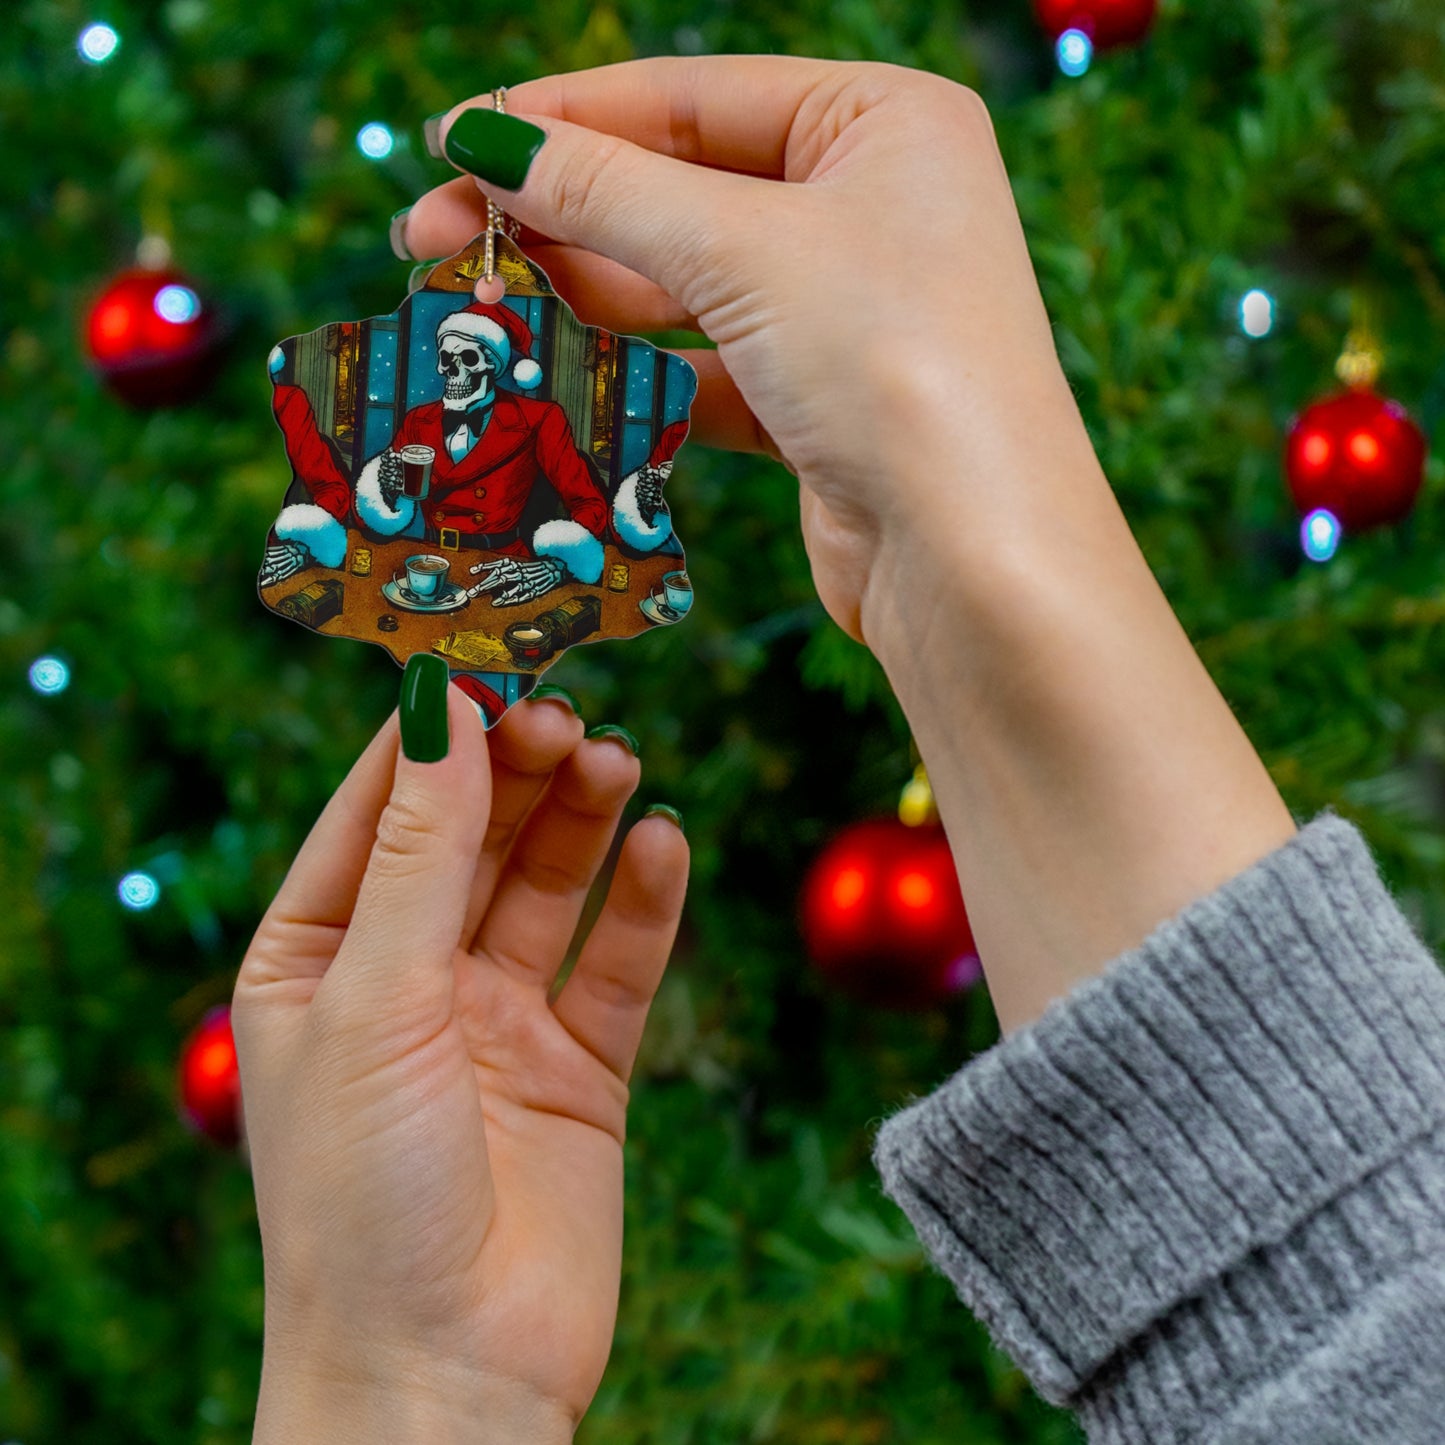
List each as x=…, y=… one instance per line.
x=503, y=333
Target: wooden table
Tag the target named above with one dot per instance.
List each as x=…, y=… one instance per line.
x=363, y=605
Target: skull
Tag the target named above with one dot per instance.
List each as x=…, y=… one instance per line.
x=467, y=368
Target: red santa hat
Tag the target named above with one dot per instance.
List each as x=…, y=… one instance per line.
x=502, y=333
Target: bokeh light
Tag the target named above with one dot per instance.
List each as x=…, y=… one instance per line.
x=1075, y=52
x=1256, y=313
x=1320, y=535
x=177, y=304
x=138, y=891
x=97, y=43
x=375, y=140
x=49, y=675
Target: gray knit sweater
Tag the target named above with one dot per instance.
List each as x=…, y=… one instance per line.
x=1202, y=1199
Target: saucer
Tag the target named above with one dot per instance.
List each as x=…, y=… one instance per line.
x=399, y=595
x=654, y=609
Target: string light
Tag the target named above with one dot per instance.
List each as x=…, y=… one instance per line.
x=97, y=43
x=49, y=675
x=1256, y=313
x=1320, y=535
x=177, y=304
x=375, y=141
x=138, y=891
x=1075, y=52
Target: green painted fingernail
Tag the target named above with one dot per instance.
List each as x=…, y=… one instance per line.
x=611, y=730
x=431, y=133
x=397, y=235
x=425, y=736
x=664, y=811
x=421, y=274
x=498, y=148
x=547, y=689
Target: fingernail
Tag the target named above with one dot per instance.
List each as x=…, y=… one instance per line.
x=498, y=148
x=611, y=730
x=425, y=736
x=662, y=810
x=431, y=133
x=420, y=274
x=547, y=689
x=397, y=235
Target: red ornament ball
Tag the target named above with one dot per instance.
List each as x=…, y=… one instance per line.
x=152, y=338
x=1107, y=23
x=1359, y=456
x=210, y=1080
x=883, y=917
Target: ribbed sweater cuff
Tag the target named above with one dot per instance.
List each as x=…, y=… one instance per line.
x=1205, y=1111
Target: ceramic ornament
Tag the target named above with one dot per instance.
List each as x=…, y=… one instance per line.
x=482, y=480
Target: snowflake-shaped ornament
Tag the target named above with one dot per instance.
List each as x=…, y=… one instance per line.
x=482, y=480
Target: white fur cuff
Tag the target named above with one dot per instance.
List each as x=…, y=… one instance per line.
x=573, y=546
x=627, y=520
x=370, y=507
x=316, y=529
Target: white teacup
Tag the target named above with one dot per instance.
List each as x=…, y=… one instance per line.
x=677, y=591
x=426, y=576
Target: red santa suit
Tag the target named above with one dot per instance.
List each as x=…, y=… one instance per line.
x=481, y=495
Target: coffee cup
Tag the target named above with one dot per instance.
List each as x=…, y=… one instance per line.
x=426, y=576
x=677, y=591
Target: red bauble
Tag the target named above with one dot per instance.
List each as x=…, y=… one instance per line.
x=1107, y=23
x=883, y=917
x=1359, y=456
x=210, y=1081
x=152, y=337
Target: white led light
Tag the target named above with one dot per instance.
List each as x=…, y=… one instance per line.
x=375, y=140
x=1075, y=52
x=1256, y=313
x=49, y=675
x=177, y=304
x=138, y=891
x=97, y=43
x=1320, y=535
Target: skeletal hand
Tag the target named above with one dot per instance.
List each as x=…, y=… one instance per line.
x=520, y=581
x=283, y=560
x=390, y=479
x=649, y=490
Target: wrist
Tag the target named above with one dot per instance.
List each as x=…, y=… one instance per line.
x=323, y=1405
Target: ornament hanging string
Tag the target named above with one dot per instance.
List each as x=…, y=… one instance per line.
x=497, y=218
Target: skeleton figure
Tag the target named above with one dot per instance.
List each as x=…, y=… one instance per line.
x=468, y=370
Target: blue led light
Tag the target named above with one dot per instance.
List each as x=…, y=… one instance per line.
x=97, y=43
x=49, y=675
x=1256, y=313
x=138, y=891
x=177, y=304
x=1075, y=52
x=375, y=140
x=1320, y=535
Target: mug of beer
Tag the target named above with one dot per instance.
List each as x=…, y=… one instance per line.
x=416, y=465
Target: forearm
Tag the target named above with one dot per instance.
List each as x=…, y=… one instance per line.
x=1091, y=778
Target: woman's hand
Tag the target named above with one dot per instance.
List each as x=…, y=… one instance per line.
x=878, y=324
x=437, y=1150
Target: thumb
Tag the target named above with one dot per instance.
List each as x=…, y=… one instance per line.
x=661, y=217
x=395, y=964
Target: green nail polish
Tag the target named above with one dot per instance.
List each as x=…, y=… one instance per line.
x=611, y=730
x=547, y=689
x=431, y=133
x=421, y=274
x=498, y=148
x=425, y=736
x=664, y=811
x=397, y=235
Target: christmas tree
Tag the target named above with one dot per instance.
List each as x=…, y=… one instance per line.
x=1212, y=211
